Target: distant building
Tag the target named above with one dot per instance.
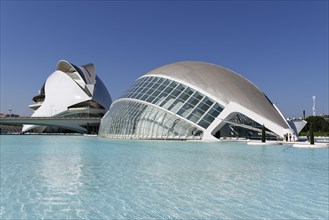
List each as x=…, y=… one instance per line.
x=2, y=115
x=70, y=91
x=326, y=117
x=10, y=129
x=192, y=100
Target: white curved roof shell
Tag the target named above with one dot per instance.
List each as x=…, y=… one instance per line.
x=69, y=85
x=235, y=93
x=222, y=84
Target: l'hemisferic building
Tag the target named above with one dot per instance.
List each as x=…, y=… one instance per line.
x=192, y=101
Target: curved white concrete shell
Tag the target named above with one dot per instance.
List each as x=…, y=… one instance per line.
x=199, y=101
x=71, y=91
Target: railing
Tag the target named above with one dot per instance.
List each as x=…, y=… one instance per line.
x=61, y=118
x=50, y=120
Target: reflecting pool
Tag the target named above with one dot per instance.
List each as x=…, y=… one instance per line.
x=76, y=177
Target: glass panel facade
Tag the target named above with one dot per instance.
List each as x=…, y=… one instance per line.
x=244, y=120
x=176, y=98
x=240, y=125
x=134, y=120
x=241, y=119
x=210, y=115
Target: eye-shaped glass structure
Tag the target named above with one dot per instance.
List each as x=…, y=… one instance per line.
x=192, y=100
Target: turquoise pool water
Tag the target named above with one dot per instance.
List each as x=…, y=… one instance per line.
x=75, y=177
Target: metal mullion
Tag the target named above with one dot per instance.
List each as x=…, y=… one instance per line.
x=155, y=89
x=165, y=124
x=150, y=121
x=144, y=85
x=144, y=122
x=181, y=128
x=141, y=92
x=156, y=80
x=153, y=121
x=137, y=121
x=171, y=91
x=170, y=121
x=164, y=89
x=138, y=85
x=157, y=123
x=141, y=86
x=173, y=88
x=186, y=130
x=153, y=83
x=186, y=102
x=213, y=104
x=195, y=108
x=206, y=103
x=147, y=115
x=127, y=125
x=140, y=120
x=179, y=98
x=134, y=121
x=162, y=123
x=131, y=123
x=127, y=119
x=120, y=121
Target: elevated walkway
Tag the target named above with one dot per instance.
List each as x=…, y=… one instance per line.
x=73, y=123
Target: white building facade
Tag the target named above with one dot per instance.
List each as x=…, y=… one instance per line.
x=70, y=91
x=192, y=101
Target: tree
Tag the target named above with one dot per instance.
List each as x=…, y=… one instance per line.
x=263, y=134
x=311, y=134
x=319, y=124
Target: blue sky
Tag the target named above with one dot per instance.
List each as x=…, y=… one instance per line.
x=280, y=46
